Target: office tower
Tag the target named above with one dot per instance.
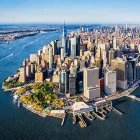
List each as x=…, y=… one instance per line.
x=22, y=76
x=54, y=46
x=38, y=60
x=32, y=68
x=72, y=84
x=50, y=57
x=78, y=38
x=64, y=37
x=132, y=70
x=91, y=85
x=40, y=52
x=64, y=81
x=120, y=66
x=114, y=42
x=110, y=82
x=39, y=76
x=73, y=47
x=28, y=71
x=24, y=63
x=33, y=57
x=104, y=59
x=111, y=56
x=62, y=53
x=138, y=71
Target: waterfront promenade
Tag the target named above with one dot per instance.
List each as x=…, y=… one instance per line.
x=125, y=93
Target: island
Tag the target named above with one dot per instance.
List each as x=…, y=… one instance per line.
x=79, y=74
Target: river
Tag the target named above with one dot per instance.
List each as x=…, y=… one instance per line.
x=20, y=124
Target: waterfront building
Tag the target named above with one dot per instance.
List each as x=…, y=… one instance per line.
x=110, y=82
x=33, y=57
x=131, y=70
x=39, y=76
x=22, y=76
x=91, y=83
x=120, y=66
x=28, y=71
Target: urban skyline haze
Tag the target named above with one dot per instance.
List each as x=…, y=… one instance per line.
x=78, y=11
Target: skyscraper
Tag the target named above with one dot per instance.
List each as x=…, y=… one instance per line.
x=22, y=77
x=110, y=82
x=91, y=83
x=120, y=66
x=50, y=57
x=64, y=81
x=64, y=36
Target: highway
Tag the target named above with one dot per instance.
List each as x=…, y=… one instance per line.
x=126, y=93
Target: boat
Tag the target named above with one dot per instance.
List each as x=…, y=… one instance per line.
x=74, y=119
x=82, y=124
x=15, y=98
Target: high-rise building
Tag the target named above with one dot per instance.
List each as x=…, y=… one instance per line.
x=120, y=66
x=91, y=83
x=39, y=76
x=114, y=42
x=110, y=82
x=72, y=84
x=64, y=38
x=64, y=81
x=33, y=57
x=73, y=47
x=111, y=56
x=22, y=77
x=28, y=71
x=132, y=70
x=50, y=57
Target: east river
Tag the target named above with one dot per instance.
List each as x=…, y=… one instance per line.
x=20, y=124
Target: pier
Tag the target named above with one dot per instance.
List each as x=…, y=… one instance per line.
x=63, y=120
x=134, y=97
x=99, y=117
x=82, y=120
x=117, y=111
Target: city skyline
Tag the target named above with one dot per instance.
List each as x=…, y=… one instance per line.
x=46, y=11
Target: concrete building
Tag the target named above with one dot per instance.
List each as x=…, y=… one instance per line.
x=110, y=82
x=50, y=57
x=120, y=66
x=39, y=77
x=64, y=81
x=72, y=84
x=91, y=83
x=22, y=76
x=33, y=57
x=73, y=47
x=28, y=71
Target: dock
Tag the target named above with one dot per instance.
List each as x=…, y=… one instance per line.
x=99, y=117
x=63, y=120
x=117, y=111
x=134, y=97
x=82, y=120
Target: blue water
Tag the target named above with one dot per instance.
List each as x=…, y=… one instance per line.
x=20, y=124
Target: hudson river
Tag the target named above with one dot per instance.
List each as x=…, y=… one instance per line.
x=20, y=124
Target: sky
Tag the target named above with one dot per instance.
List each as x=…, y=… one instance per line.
x=72, y=11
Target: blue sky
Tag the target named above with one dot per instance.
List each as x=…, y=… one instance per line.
x=73, y=11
